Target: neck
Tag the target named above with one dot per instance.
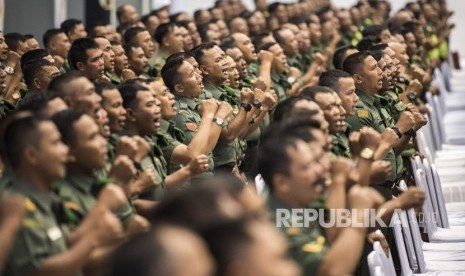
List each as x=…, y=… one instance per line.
x=34, y=177
x=366, y=91
x=132, y=128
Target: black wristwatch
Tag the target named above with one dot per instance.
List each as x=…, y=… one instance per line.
x=397, y=132
x=246, y=106
x=412, y=133
x=412, y=96
x=257, y=104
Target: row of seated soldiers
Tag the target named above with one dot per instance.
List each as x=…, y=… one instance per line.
x=103, y=145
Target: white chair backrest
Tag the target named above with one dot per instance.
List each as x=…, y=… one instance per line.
x=386, y=262
x=428, y=212
x=440, y=113
x=416, y=238
x=409, y=244
x=374, y=263
x=431, y=193
x=440, y=197
x=400, y=244
x=435, y=123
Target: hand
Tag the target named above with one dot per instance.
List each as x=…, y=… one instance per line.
x=224, y=110
x=13, y=57
x=415, y=86
x=378, y=236
x=265, y=56
x=12, y=210
x=354, y=143
x=406, y=121
x=107, y=229
x=247, y=96
x=412, y=108
x=294, y=73
x=198, y=165
x=268, y=102
x=341, y=167
x=128, y=74
x=420, y=120
x=126, y=146
x=418, y=73
x=122, y=170
x=59, y=61
x=369, y=138
x=103, y=79
x=259, y=84
x=412, y=198
x=111, y=198
x=207, y=107
x=138, y=224
x=144, y=182
x=319, y=58
x=364, y=198
x=389, y=136
x=143, y=148
x=380, y=171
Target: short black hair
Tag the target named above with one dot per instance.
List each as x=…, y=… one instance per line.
x=90, y=28
x=199, y=51
x=162, y=31
x=129, y=48
x=49, y=35
x=13, y=40
x=78, y=51
x=58, y=84
x=354, y=63
x=129, y=93
x=228, y=43
x=331, y=78
x=373, y=30
x=267, y=46
x=35, y=102
x=101, y=86
x=367, y=42
x=65, y=120
x=33, y=55
x=69, y=25
x=274, y=6
x=33, y=69
x=169, y=71
x=310, y=92
x=130, y=36
x=340, y=55
x=17, y=131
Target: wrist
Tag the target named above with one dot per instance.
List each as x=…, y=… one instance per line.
x=397, y=131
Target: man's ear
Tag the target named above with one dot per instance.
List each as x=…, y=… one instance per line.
x=37, y=83
x=80, y=66
x=130, y=115
x=203, y=69
x=71, y=157
x=30, y=154
x=357, y=78
x=179, y=88
x=281, y=184
x=165, y=42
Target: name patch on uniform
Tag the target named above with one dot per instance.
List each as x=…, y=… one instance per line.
x=191, y=126
x=362, y=113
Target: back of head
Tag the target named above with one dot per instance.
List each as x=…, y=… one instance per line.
x=310, y=92
x=130, y=36
x=129, y=93
x=49, y=35
x=13, y=40
x=32, y=69
x=354, y=63
x=78, y=51
x=60, y=84
x=162, y=31
x=199, y=51
x=65, y=121
x=33, y=55
x=340, y=54
x=69, y=24
x=169, y=71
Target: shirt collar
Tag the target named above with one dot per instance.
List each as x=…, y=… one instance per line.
x=364, y=97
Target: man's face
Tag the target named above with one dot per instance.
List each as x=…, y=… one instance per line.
x=3, y=48
x=315, y=33
x=341, y=123
x=257, y=23
x=222, y=29
x=328, y=103
x=347, y=95
x=95, y=66
x=371, y=75
x=290, y=45
x=267, y=253
x=45, y=77
x=130, y=14
x=246, y=46
x=239, y=25
x=103, y=123
x=168, y=111
x=146, y=113
x=304, y=41
x=281, y=14
x=308, y=167
x=401, y=53
x=385, y=36
x=173, y=41
x=187, y=42
x=60, y=45
x=121, y=60
x=108, y=54
x=84, y=96
x=411, y=44
x=52, y=154
x=233, y=73
x=280, y=60
x=54, y=106
x=238, y=58
x=144, y=40
x=137, y=61
x=192, y=28
x=386, y=76
x=89, y=148
x=190, y=80
x=112, y=102
x=152, y=23
x=390, y=68
x=78, y=32
x=32, y=43
x=214, y=67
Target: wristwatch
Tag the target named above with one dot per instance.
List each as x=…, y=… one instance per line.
x=246, y=106
x=412, y=96
x=412, y=133
x=367, y=154
x=257, y=104
x=397, y=131
x=9, y=70
x=218, y=121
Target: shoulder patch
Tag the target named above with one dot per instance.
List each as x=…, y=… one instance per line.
x=362, y=113
x=30, y=206
x=191, y=126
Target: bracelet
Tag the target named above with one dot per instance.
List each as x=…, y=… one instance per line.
x=397, y=132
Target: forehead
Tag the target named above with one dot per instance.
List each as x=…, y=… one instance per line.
x=326, y=97
x=102, y=42
x=346, y=83
x=91, y=53
x=84, y=125
x=185, y=67
x=370, y=61
x=276, y=49
x=144, y=96
x=111, y=93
